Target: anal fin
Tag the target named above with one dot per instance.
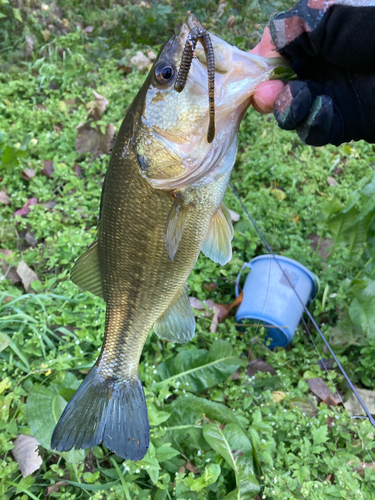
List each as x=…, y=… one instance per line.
x=86, y=271
x=217, y=244
x=174, y=226
x=177, y=324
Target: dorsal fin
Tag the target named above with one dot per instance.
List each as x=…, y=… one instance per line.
x=217, y=244
x=177, y=324
x=174, y=225
x=86, y=271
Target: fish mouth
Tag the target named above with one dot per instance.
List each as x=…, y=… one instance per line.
x=237, y=74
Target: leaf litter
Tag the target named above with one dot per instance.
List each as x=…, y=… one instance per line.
x=91, y=137
x=25, y=452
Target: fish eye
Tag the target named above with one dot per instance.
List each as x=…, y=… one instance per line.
x=164, y=72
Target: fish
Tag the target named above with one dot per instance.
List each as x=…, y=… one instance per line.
x=161, y=205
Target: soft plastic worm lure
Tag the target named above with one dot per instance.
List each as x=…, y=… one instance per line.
x=201, y=34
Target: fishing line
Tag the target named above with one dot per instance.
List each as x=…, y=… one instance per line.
x=331, y=380
x=269, y=249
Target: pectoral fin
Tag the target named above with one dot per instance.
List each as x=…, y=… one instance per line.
x=86, y=272
x=217, y=244
x=177, y=324
x=175, y=225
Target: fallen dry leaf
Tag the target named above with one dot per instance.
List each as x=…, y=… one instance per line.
x=277, y=396
x=88, y=29
x=354, y=408
x=151, y=55
x=234, y=216
x=91, y=139
x=48, y=168
x=221, y=8
x=4, y=198
x=205, y=306
x=140, y=61
x=30, y=239
x=220, y=311
x=8, y=272
x=237, y=301
x=96, y=108
x=25, y=209
x=27, y=276
x=361, y=466
x=26, y=454
x=28, y=174
x=320, y=388
x=332, y=400
x=331, y=181
x=12, y=276
x=54, y=488
x=107, y=138
x=191, y=467
x=259, y=365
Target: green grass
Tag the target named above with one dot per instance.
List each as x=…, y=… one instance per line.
x=50, y=338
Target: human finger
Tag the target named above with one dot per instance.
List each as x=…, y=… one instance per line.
x=265, y=95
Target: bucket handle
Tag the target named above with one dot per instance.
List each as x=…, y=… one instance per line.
x=236, y=290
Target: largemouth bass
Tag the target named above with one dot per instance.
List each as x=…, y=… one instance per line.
x=161, y=205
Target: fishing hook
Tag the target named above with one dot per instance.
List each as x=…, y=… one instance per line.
x=198, y=33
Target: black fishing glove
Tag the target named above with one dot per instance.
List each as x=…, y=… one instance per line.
x=332, y=50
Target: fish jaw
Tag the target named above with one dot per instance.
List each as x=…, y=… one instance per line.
x=176, y=123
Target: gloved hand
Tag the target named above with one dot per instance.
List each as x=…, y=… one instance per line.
x=332, y=50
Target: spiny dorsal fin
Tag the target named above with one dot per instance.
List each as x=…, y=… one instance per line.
x=217, y=244
x=86, y=272
x=177, y=324
x=174, y=226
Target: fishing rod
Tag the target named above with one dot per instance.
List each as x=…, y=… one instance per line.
x=269, y=249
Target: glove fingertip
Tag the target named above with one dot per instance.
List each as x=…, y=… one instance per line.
x=292, y=104
x=316, y=128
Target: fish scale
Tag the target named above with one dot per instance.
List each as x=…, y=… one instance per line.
x=162, y=204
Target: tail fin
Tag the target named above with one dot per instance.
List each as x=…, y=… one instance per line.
x=105, y=411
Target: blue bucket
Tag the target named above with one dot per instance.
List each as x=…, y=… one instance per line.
x=270, y=300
